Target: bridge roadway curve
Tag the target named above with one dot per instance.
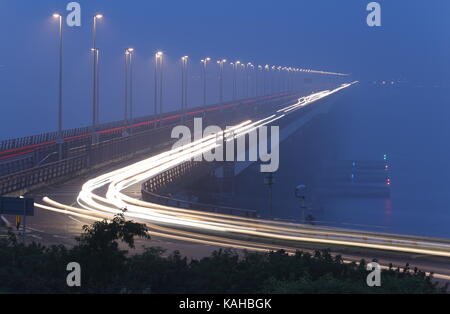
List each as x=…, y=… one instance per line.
x=103, y=196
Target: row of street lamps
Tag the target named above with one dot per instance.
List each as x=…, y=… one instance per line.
x=285, y=78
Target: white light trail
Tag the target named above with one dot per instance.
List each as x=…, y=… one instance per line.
x=203, y=224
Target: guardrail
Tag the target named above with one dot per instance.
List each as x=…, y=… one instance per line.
x=41, y=175
x=15, y=165
x=163, y=200
x=49, y=137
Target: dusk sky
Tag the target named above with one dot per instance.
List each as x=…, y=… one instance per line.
x=332, y=35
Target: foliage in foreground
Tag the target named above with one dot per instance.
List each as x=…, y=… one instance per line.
x=108, y=269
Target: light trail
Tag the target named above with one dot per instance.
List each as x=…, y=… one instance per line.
x=220, y=229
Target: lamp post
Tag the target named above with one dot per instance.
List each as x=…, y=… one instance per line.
x=221, y=65
x=235, y=65
x=125, y=119
x=244, y=80
x=258, y=71
x=161, y=67
x=280, y=81
x=205, y=63
x=158, y=67
x=288, y=79
x=155, y=94
x=130, y=56
x=252, y=81
x=272, y=74
x=265, y=74
x=184, y=76
x=128, y=87
x=247, y=78
x=95, y=78
x=60, y=140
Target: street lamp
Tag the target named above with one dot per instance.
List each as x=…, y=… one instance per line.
x=130, y=56
x=246, y=66
x=221, y=64
x=159, y=66
x=280, y=81
x=128, y=85
x=184, y=85
x=60, y=140
x=95, y=77
x=273, y=79
x=265, y=74
x=252, y=74
x=258, y=71
x=244, y=79
x=235, y=65
x=125, y=120
x=205, y=63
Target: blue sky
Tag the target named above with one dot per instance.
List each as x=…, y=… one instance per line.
x=412, y=44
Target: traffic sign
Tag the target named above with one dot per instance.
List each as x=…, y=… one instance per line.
x=16, y=206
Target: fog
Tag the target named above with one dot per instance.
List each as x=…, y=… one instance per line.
x=325, y=35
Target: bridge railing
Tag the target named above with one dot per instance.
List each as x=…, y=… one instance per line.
x=85, y=155
x=42, y=175
x=169, y=178
x=15, y=143
x=166, y=178
x=44, y=149
x=184, y=204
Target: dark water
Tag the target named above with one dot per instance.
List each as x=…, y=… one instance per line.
x=409, y=124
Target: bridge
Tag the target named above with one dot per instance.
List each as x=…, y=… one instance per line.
x=132, y=165
x=30, y=162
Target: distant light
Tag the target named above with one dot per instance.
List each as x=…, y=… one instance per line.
x=56, y=15
x=130, y=49
x=99, y=16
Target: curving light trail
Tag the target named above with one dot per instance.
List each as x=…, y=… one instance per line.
x=103, y=197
